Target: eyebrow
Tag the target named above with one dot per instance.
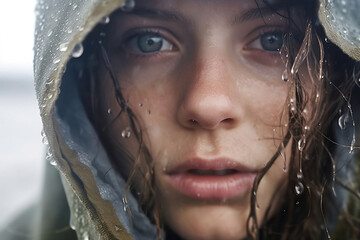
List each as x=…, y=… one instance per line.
x=253, y=13
x=174, y=16
x=158, y=14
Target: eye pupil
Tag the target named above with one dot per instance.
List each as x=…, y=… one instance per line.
x=272, y=41
x=148, y=43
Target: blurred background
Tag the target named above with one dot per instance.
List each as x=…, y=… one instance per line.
x=21, y=149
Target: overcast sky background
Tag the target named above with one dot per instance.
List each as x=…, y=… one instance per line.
x=21, y=150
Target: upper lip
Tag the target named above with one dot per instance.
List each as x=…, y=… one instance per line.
x=217, y=164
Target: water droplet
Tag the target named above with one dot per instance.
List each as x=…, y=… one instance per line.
x=299, y=175
x=357, y=81
x=109, y=110
x=343, y=120
x=117, y=228
x=72, y=223
x=126, y=133
x=140, y=104
x=306, y=128
x=149, y=111
x=128, y=5
x=56, y=61
x=125, y=203
x=302, y=143
x=78, y=50
x=105, y=20
x=299, y=188
x=285, y=76
x=63, y=47
x=44, y=138
x=352, y=145
x=85, y=236
x=297, y=203
x=50, y=33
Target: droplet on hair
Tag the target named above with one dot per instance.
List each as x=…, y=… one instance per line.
x=357, y=81
x=352, y=145
x=302, y=143
x=55, y=61
x=343, y=120
x=126, y=133
x=299, y=175
x=285, y=76
x=299, y=188
x=128, y=5
x=77, y=51
x=105, y=20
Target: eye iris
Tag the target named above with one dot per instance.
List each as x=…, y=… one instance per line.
x=150, y=43
x=272, y=41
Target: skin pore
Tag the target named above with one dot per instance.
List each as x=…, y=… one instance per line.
x=204, y=78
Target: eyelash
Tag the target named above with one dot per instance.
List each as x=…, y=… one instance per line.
x=158, y=33
x=143, y=32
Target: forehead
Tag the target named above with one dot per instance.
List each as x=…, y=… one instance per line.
x=234, y=10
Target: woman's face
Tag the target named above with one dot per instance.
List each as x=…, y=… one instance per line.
x=205, y=80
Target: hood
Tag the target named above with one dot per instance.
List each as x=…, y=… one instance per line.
x=95, y=193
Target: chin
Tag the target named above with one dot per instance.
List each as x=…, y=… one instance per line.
x=208, y=223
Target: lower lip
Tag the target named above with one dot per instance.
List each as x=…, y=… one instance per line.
x=212, y=187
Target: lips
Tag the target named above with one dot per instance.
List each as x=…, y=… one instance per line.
x=215, y=179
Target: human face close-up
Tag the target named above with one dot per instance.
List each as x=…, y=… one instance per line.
x=204, y=78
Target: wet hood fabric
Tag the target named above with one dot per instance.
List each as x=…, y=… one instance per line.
x=341, y=21
x=95, y=194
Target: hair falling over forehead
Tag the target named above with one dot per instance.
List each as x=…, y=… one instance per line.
x=309, y=114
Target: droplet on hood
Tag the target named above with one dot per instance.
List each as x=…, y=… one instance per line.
x=128, y=5
x=72, y=223
x=78, y=50
x=126, y=133
x=105, y=20
x=44, y=138
x=56, y=61
x=85, y=236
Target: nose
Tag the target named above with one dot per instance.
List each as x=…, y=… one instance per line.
x=208, y=101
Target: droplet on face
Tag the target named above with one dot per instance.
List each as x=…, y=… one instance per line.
x=128, y=5
x=126, y=133
x=78, y=50
x=299, y=188
x=105, y=20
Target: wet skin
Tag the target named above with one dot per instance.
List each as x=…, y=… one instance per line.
x=205, y=80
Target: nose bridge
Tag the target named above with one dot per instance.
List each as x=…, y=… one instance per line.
x=208, y=100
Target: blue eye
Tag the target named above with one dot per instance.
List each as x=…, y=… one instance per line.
x=149, y=43
x=271, y=41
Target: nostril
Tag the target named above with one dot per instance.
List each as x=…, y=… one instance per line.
x=228, y=120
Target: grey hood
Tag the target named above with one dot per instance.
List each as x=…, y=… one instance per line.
x=95, y=194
